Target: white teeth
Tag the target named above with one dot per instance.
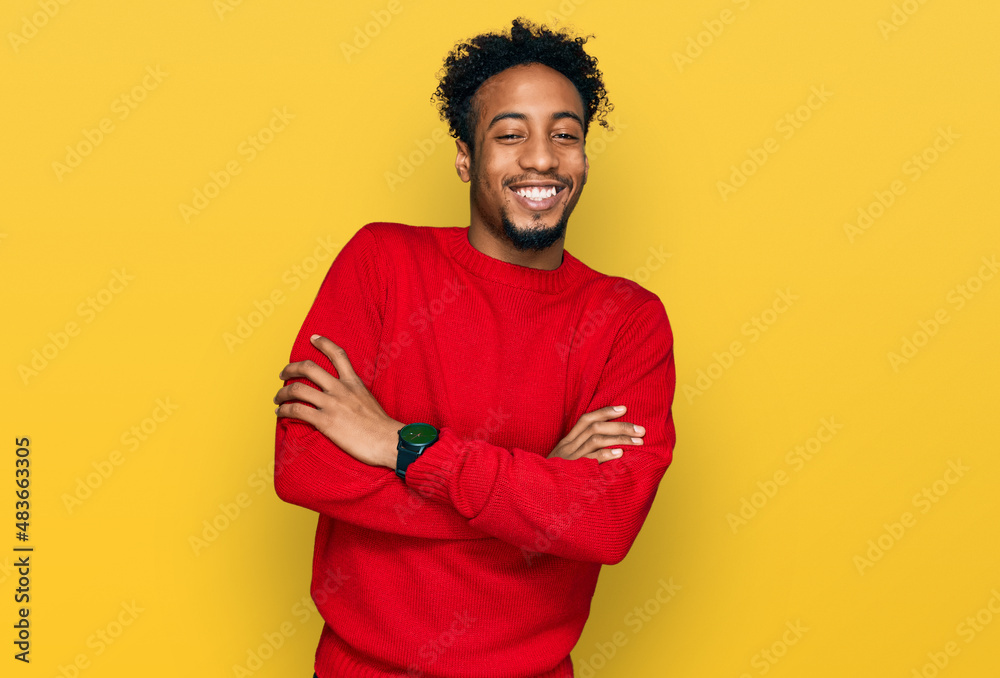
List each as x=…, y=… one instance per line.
x=534, y=193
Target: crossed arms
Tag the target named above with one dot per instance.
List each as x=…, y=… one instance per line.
x=336, y=447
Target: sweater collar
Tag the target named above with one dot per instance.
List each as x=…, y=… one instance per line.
x=485, y=266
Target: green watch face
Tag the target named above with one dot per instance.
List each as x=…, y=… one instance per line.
x=418, y=434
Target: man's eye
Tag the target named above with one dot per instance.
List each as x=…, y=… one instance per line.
x=566, y=135
x=509, y=136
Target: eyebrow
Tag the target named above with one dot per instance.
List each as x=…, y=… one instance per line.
x=521, y=116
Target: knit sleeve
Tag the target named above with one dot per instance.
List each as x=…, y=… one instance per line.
x=309, y=469
x=578, y=509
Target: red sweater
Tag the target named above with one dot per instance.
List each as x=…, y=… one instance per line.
x=484, y=562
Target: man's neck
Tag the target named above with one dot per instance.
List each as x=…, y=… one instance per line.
x=548, y=259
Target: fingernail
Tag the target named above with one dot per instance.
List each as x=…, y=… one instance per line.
x=314, y=337
x=637, y=441
x=616, y=453
x=638, y=429
x=277, y=408
x=619, y=408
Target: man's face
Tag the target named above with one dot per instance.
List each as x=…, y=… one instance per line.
x=529, y=167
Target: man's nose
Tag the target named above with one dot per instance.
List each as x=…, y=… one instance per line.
x=538, y=154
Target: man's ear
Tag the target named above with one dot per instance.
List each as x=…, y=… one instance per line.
x=463, y=160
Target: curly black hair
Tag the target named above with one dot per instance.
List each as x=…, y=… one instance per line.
x=471, y=63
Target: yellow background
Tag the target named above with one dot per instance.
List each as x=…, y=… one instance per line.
x=680, y=127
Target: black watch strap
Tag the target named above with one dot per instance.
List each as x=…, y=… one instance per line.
x=413, y=440
x=404, y=458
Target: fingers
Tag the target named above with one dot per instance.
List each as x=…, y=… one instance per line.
x=604, y=455
x=590, y=418
x=596, y=437
x=301, y=412
x=294, y=399
x=337, y=356
x=624, y=434
x=301, y=392
x=307, y=369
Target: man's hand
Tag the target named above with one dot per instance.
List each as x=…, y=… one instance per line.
x=593, y=433
x=345, y=410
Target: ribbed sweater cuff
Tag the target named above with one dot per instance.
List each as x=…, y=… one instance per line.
x=435, y=474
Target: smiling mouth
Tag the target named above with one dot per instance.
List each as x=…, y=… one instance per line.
x=538, y=198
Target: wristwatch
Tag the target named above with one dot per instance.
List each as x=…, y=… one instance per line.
x=413, y=440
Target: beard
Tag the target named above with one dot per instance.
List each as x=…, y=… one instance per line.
x=533, y=238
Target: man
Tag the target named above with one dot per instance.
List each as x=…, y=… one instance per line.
x=452, y=408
